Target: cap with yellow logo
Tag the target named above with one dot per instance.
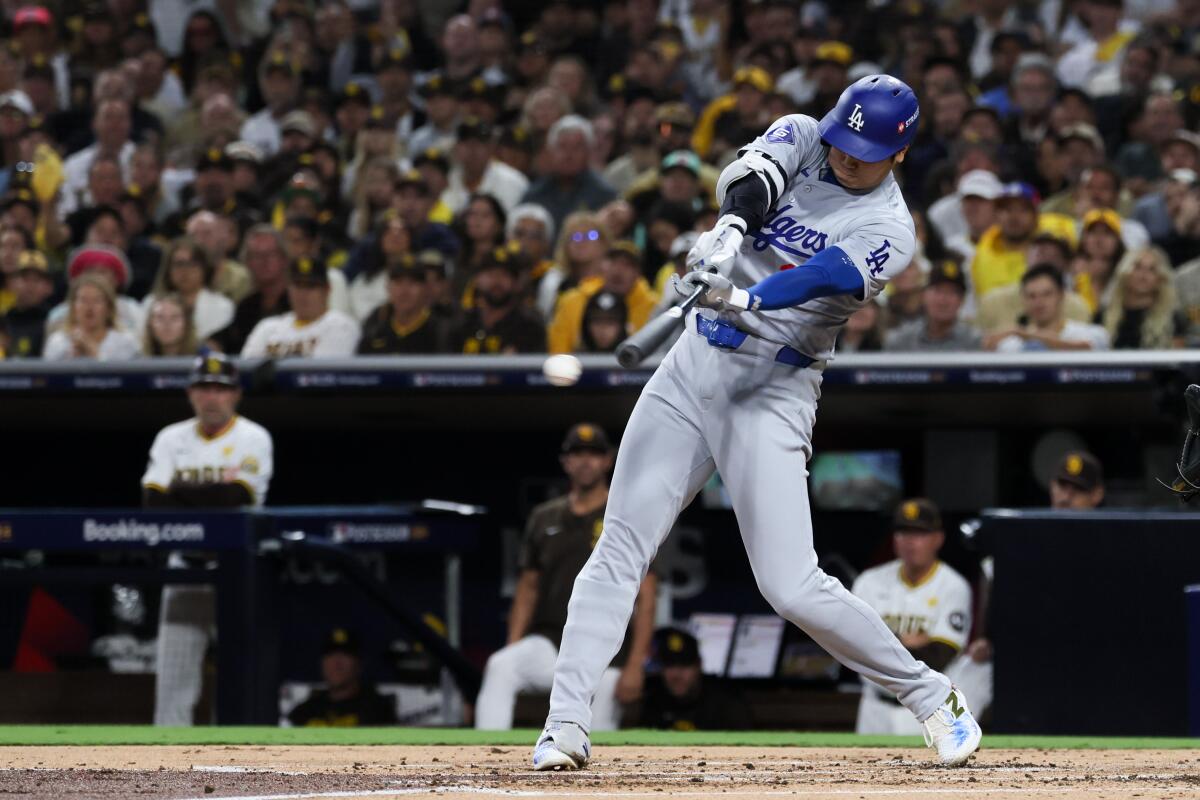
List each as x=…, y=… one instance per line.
x=33, y=261
x=214, y=368
x=341, y=640
x=676, y=648
x=309, y=272
x=396, y=57
x=586, y=436
x=438, y=85
x=1081, y=469
x=278, y=61
x=947, y=271
x=917, y=514
x=214, y=158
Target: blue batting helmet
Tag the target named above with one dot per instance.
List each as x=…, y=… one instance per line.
x=875, y=117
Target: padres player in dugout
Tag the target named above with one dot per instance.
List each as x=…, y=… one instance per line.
x=811, y=228
x=346, y=701
x=922, y=600
x=559, y=537
x=215, y=459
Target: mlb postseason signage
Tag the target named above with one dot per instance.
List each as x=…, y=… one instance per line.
x=376, y=527
x=469, y=374
x=404, y=527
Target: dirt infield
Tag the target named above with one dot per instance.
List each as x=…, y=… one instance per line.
x=283, y=773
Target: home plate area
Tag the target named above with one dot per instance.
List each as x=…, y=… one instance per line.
x=282, y=773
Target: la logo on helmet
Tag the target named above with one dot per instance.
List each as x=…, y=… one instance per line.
x=856, y=120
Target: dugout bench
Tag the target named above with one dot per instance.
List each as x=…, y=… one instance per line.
x=244, y=572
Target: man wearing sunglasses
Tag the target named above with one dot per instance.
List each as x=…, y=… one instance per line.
x=811, y=228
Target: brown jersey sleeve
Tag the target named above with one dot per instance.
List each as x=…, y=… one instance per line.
x=531, y=543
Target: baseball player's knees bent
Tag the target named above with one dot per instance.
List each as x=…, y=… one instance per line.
x=795, y=596
x=620, y=558
x=504, y=665
x=498, y=692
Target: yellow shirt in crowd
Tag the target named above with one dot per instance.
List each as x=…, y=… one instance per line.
x=566, y=329
x=997, y=264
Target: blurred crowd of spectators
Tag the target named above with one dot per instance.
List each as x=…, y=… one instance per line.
x=282, y=177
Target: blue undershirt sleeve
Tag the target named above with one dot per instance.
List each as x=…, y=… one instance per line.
x=827, y=273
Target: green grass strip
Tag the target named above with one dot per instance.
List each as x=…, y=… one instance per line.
x=99, y=735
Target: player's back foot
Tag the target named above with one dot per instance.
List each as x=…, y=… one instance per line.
x=953, y=731
x=562, y=746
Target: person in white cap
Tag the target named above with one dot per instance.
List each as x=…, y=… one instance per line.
x=18, y=100
x=961, y=218
x=15, y=110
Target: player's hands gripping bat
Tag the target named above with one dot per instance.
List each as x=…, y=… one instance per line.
x=633, y=350
x=1187, y=485
x=720, y=292
x=716, y=249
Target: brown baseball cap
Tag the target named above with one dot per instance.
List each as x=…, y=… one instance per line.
x=677, y=114
x=586, y=436
x=947, y=271
x=1081, y=469
x=917, y=515
x=308, y=272
x=676, y=648
x=33, y=261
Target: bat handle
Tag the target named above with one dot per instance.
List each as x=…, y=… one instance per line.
x=635, y=348
x=679, y=311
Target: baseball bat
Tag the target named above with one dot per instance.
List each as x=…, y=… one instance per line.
x=633, y=350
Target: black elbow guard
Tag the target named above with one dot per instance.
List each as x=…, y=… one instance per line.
x=747, y=198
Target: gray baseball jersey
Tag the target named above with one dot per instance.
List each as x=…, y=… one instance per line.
x=738, y=411
x=874, y=228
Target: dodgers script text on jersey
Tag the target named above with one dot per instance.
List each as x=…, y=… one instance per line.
x=874, y=228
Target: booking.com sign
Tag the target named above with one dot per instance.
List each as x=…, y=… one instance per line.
x=150, y=533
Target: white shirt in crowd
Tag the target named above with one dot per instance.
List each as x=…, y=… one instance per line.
x=1086, y=67
x=129, y=314
x=332, y=335
x=367, y=293
x=117, y=346
x=499, y=180
x=212, y=312
x=429, y=135
x=240, y=453
x=75, y=194
x=1072, y=331
x=171, y=97
x=262, y=129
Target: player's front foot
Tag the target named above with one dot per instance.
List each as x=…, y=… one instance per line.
x=562, y=745
x=952, y=731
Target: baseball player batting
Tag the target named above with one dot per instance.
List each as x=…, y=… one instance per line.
x=812, y=226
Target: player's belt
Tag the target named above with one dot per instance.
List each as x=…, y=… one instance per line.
x=725, y=335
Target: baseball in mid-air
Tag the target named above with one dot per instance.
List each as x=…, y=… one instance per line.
x=562, y=370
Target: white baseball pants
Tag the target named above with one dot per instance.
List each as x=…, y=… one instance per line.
x=528, y=665
x=751, y=419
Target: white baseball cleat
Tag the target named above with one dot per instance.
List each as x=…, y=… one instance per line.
x=952, y=731
x=562, y=745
